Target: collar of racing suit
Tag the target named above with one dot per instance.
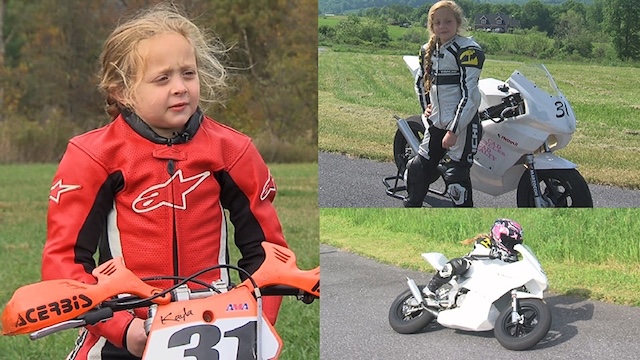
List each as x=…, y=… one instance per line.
x=449, y=42
x=141, y=127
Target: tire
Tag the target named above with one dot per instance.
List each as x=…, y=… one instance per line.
x=561, y=187
x=405, y=323
x=523, y=336
x=402, y=152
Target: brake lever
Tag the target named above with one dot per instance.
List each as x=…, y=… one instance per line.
x=306, y=298
x=90, y=318
x=65, y=325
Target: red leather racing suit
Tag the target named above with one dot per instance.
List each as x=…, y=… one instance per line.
x=122, y=190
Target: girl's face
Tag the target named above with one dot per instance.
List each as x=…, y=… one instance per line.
x=169, y=90
x=444, y=24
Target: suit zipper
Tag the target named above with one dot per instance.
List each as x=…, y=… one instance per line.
x=171, y=169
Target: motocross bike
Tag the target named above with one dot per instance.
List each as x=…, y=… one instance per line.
x=525, y=120
x=493, y=294
x=229, y=321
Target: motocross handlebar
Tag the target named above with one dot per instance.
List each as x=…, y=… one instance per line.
x=106, y=312
x=71, y=303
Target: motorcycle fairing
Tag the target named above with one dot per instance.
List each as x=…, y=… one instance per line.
x=487, y=281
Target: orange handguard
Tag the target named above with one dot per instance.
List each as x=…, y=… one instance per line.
x=36, y=306
x=280, y=268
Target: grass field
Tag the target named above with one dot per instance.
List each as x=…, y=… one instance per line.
x=590, y=253
x=23, y=205
x=359, y=93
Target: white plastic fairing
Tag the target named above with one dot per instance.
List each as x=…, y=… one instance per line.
x=437, y=260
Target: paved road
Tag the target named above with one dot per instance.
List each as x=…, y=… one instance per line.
x=357, y=293
x=348, y=182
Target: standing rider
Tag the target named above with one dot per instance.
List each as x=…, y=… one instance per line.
x=447, y=87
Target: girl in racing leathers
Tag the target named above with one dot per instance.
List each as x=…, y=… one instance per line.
x=498, y=244
x=447, y=87
x=154, y=184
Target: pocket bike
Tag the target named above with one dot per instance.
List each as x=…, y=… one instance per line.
x=525, y=120
x=493, y=295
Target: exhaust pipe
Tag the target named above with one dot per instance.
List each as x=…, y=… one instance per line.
x=415, y=291
x=404, y=128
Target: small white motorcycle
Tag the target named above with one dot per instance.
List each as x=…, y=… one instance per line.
x=493, y=294
x=525, y=119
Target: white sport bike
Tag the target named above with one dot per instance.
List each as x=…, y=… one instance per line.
x=493, y=294
x=525, y=119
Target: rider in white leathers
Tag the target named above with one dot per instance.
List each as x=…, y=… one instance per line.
x=450, y=97
x=498, y=244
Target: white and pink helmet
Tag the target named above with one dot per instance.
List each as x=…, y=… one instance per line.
x=506, y=234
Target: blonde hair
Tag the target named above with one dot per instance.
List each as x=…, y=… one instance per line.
x=434, y=40
x=121, y=62
x=474, y=239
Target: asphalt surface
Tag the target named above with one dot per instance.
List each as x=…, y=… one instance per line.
x=357, y=293
x=349, y=182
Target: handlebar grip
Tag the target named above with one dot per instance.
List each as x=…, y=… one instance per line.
x=97, y=315
x=280, y=290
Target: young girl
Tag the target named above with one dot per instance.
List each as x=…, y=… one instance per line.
x=447, y=87
x=498, y=244
x=154, y=184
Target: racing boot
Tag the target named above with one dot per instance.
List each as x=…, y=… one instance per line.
x=415, y=179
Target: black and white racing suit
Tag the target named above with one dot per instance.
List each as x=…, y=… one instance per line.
x=482, y=248
x=455, y=98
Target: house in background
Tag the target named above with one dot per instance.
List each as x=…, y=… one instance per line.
x=501, y=23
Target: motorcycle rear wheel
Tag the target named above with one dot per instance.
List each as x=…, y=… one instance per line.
x=402, y=152
x=536, y=325
x=562, y=187
x=405, y=321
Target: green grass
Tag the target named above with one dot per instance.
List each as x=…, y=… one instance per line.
x=591, y=253
x=359, y=93
x=23, y=205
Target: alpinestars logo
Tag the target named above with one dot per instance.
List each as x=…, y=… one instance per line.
x=160, y=195
x=59, y=188
x=268, y=187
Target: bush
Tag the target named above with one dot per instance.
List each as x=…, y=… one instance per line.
x=357, y=31
x=26, y=140
x=415, y=35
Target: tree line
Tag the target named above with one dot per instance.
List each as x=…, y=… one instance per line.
x=346, y=6
x=49, y=53
x=576, y=27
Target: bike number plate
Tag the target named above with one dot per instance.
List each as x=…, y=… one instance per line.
x=220, y=327
x=233, y=338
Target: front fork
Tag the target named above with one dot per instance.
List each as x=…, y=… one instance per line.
x=533, y=177
x=515, y=316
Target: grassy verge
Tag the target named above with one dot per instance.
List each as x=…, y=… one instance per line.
x=23, y=205
x=359, y=93
x=589, y=253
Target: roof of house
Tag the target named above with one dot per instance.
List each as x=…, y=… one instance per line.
x=492, y=19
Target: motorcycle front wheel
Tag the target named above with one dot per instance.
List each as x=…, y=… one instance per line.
x=527, y=333
x=560, y=187
x=406, y=316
